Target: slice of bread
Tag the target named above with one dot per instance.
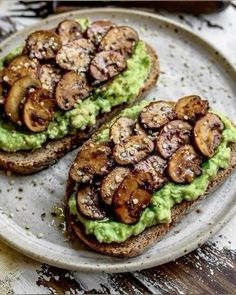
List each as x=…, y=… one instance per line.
x=27, y=162
x=137, y=244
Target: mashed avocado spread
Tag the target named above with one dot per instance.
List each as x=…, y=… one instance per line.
x=122, y=89
x=159, y=209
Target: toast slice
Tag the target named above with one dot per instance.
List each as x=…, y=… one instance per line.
x=137, y=244
x=27, y=162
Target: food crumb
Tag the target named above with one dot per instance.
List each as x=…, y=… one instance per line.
x=40, y=235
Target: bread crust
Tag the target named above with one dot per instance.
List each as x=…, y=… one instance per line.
x=27, y=162
x=134, y=245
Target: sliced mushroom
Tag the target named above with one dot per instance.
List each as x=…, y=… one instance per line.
x=49, y=76
x=69, y=30
x=130, y=200
x=20, y=67
x=157, y=114
x=97, y=29
x=17, y=96
x=111, y=182
x=76, y=55
x=132, y=150
x=191, y=107
x=150, y=172
x=207, y=134
x=88, y=203
x=172, y=136
x=106, y=65
x=70, y=89
x=38, y=110
x=121, y=129
x=43, y=44
x=92, y=159
x=120, y=39
x=184, y=165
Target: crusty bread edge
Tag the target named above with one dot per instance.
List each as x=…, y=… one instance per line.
x=137, y=244
x=27, y=162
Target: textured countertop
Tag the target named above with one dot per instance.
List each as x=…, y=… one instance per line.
x=210, y=269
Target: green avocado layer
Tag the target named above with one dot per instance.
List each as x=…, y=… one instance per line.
x=159, y=209
x=122, y=89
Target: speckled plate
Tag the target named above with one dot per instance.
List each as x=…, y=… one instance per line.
x=29, y=204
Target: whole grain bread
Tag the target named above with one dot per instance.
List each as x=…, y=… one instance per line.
x=27, y=162
x=137, y=244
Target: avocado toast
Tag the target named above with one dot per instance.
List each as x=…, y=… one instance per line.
x=64, y=84
x=142, y=171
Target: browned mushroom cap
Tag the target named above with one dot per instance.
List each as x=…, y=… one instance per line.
x=172, y=136
x=91, y=159
x=69, y=30
x=120, y=39
x=111, y=182
x=106, y=65
x=130, y=200
x=97, y=29
x=207, y=134
x=191, y=107
x=157, y=114
x=38, y=110
x=49, y=77
x=184, y=165
x=70, y=89
x=88, y=203
x=20, y=67
x=132, y=150
x=43, y=44
x=17, y=96
x=121, y=129
x=150, y=172
x=76, y=55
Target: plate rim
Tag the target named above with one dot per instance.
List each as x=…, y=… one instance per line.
x=207, y=231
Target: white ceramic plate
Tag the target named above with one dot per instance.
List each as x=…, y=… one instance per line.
x=188, y=65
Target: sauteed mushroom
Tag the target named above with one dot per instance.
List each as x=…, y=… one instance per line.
x=173, y=135
x=92, y=159
x=157, y=114
x=207, y=134
x=111, y=182
x=121, y=129
x=88, y=203
x=120, y=39
x=184, y=165
x=191, y=107
x=17, y=96
x=70, y=89
x=38, y=110
x=132, y=150
x=43, y=44
x=130, y=200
